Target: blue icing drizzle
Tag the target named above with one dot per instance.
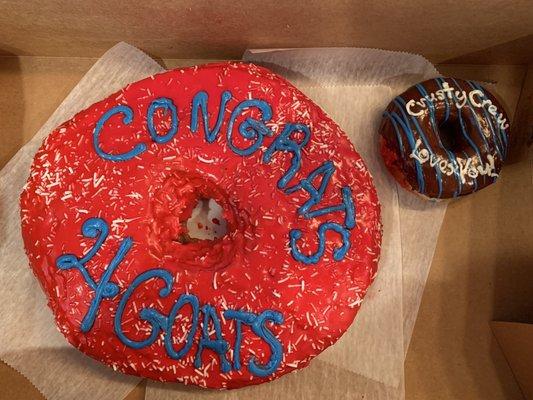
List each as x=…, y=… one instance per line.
x=166, y=104
x=127, y=119
x=431, y=108
x=497, y=139
x=430, y=104
x=219, y=345
x=153, y=317
x=501, y=132
x=400, y=103
x=283, y=142
x=395, y=118
x=396, y=130
x=326, y=170
x=250, y=129
x=463, y=127
x=474, y=119
x=467, y=137
x=338, y=253
x=433, y=120
x=482, y=135
x=455, y=164
x=104, y=288
x=199, y=103
x=447, y=115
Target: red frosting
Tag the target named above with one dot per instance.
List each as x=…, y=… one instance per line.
x=150, y=197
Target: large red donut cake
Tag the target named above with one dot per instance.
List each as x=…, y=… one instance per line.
x=104, y=221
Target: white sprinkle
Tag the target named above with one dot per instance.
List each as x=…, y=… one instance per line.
x=205, y=160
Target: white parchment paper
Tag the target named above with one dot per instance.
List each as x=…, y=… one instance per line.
x=353, y=86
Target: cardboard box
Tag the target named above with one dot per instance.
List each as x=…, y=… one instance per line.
x=482, y=267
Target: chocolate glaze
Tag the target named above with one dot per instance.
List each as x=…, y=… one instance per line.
x=444, y=138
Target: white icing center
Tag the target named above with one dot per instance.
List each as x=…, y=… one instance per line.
x=206, y=221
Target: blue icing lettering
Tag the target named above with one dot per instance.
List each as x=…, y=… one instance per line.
x=127, y=119
x=253, y=130
x=283, y=142
x=257, y=323
x=153, y=317
x=219, y=345
x=239, y=317
x=166, y=104
x=338, y=253
x=162, y=324
x=199, y=104
x=276, y=348
x=182, y=301
x=250, y=128
x=316, y=195
x=92, y=228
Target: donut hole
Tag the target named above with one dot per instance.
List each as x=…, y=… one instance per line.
x=449, y=135
x=206, y=222
x=193, y=225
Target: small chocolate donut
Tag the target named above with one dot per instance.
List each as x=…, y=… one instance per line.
x=444, y=138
